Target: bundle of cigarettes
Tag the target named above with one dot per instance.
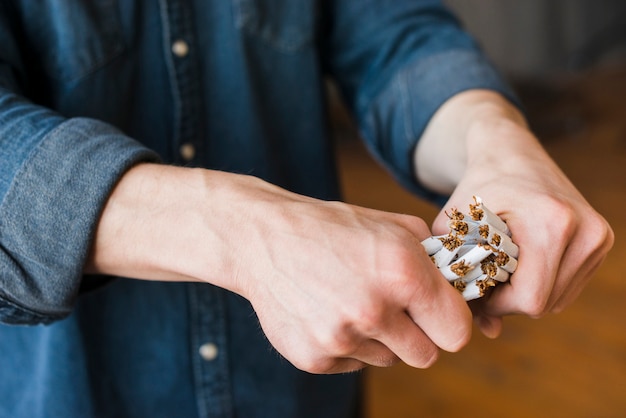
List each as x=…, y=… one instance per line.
x=477, y=253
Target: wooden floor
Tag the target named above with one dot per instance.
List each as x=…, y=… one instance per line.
x=567, y=365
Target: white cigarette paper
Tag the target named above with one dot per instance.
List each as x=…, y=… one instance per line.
x=432, y=245
x=477, y=253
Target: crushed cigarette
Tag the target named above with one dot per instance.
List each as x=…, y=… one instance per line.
x=477, y=253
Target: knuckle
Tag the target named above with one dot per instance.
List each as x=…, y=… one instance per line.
x=608, y=238
x=385, y=358
x=564, y=222
x=357, y=322
x=315, y=366
x=426, y=361
x=414, y=222
x=422, y=354
x=368, y=319
x=388, y=361
x=336, y=343
x=536, y=311
x=534, y=305
x=401, y=271
x=465, y=335
x=600, y=235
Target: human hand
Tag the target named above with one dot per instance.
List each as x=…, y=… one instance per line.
x=562, y=239
x=337, y=287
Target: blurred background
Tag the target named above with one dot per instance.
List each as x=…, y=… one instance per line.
x=567, y=61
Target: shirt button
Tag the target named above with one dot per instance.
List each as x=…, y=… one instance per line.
x=187, y=151
x=208, y=351
x=180, y=48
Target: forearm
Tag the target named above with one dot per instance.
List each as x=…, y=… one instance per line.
x=170, y=224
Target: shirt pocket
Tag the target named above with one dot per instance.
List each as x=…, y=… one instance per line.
x=72, y=38
x=286, y=25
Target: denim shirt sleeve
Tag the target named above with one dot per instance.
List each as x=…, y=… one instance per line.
x=55, y=176
x=396, y=62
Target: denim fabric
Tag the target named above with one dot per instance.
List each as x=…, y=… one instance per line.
x=90, y=88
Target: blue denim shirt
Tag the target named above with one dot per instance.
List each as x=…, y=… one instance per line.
x=89, y=88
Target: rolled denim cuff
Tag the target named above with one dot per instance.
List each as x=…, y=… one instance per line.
x=49, y=215
x=396, y=119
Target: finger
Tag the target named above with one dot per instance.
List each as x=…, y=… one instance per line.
x=408, y=342
x=490, y=326
x=375, y=353
x=574, y=285
x=529, y=289
x=551, y=279
x=341, y=365
x=326, y=364
x=441, y=313
x=582, y=259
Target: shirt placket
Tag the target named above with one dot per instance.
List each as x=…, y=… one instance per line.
x=207, y=311
x=181, y=55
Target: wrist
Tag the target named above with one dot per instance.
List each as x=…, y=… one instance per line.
x=463, y=129
x=157, y=225
x=133, y=224
x=498, y=139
